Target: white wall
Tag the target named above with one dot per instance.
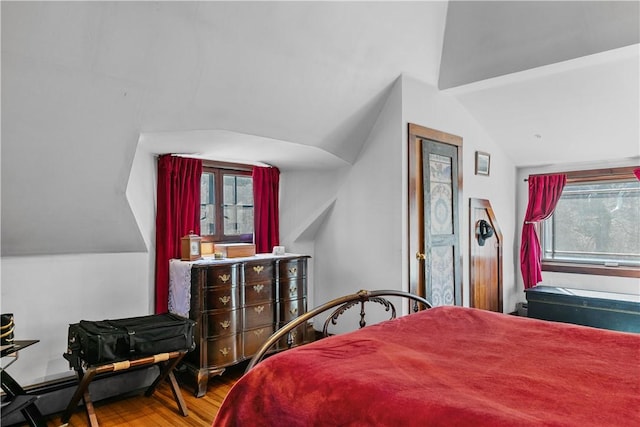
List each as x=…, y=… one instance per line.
x=359, y=246
x=47, y=293
x=625, y=285
x=424, y=105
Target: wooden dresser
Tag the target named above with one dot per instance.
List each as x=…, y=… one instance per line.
x=237, y=304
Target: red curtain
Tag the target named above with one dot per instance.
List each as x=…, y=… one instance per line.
x=544, y=193
x=177, y=214
x=266, y=182
x=636, y=172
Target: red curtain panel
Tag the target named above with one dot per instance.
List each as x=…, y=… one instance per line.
x=544, y=193
x=266, y=186
x=177, y=214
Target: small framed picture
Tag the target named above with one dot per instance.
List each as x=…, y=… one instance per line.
x=483, y=161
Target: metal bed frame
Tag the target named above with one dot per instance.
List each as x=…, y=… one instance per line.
x=343, y=303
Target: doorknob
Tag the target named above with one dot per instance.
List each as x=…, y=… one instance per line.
x=420, y=256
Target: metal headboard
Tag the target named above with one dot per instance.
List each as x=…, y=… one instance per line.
x=343, y=303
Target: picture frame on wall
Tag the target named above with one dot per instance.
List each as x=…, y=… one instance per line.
x=483, y=163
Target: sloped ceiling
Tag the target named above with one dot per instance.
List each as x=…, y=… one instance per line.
x=84, y=82
x=551, y=81
x=486, y=39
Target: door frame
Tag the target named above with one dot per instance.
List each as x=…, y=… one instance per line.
x=415, y=221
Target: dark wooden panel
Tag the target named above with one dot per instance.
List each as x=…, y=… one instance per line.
x=485, y=261
x=255, y=293
x=224, y=351
x=222, y=275
x=258, y=315
x=606, y=310
x=254, y=338
x=258, y=271
x=223, y=322
x=293, y=288
x=223, y=297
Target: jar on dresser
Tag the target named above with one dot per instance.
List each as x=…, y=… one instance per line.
x=237, y=304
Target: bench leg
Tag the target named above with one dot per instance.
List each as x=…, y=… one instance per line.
x=92, y=418
x=82, y=391
x=177, y=395
x=166, y=372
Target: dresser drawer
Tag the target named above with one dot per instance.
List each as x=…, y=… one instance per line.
x=292, y=269
x=291, y=309
x=258, y=315
x=222, y=275
x=224, y=351
x=255, y=272
x=222, y=297
x=257, y=293
x=222, y=323
x=254, y=338
x=293, y=288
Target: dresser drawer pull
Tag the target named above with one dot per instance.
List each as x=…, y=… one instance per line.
x=258, y=288
x=293, y=311
x=293, y=270
x=293, y=290
x=225, y=351
x=259, y=309
x=258, y=268
x=258, y=332
x=225, y=299
x=224, y=278
x=225, y=324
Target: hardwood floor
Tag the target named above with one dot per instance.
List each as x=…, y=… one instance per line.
x=160, y=409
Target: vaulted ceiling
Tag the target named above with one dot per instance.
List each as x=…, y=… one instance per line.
x=551, y=81
x=85, y=84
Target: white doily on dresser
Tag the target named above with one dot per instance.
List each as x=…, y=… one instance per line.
x=179, y=287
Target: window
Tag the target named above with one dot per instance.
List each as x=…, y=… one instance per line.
x=226, y=203
x=595, y=227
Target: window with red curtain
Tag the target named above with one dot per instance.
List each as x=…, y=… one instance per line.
x=178, y=214
x=544, y=193
x=594, y=228
x=266, y=187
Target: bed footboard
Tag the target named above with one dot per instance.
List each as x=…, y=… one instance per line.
x=343, y=304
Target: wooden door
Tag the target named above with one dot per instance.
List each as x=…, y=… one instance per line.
x=485, y=268
x=435, y=184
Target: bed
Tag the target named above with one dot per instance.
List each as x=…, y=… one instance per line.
x=444, y=366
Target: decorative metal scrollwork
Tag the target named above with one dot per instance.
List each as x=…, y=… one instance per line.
x=364, y=297
x=259, y=309
x=293, y=311
x=293, y=290
x=336, y=308
x=258, y=332
x=225, y=324
x=291, y=338
x=258, y=268
x=225, y=299
x=224, y=278
x=225, y=351
x=258, y=288
x=293, y=271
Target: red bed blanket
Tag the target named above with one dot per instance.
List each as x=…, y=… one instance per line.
x=447, y=366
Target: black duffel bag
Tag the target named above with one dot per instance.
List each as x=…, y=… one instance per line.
x=99, y=342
